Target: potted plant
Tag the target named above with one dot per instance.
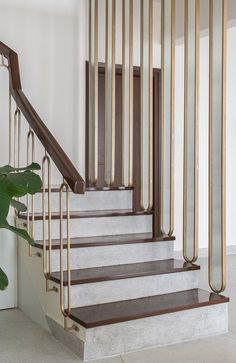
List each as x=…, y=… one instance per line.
x=16, y=183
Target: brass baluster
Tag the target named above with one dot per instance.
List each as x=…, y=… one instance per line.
x=47, y=262
x=93, y=92
x=217, y=145
x=167, y=109
x=146, y=103
x=150, y=66
x=110, y=102
x=191, y=129
x=30, y=199
x=3, y=64
x=17, y=136
x=131, y=94
x=65, y=310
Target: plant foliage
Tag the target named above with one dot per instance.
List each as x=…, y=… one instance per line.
x=16, y=183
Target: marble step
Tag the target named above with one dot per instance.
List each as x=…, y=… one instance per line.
x=91, y=200
x=120, y=327
x=94, y=223
x=121, y=282
x=112, y=250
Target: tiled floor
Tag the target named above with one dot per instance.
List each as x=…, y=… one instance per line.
x=21, y=341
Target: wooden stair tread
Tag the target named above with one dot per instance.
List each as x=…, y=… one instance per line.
x=90, y=214
x=97, y=241
x=116, y=312
x=107, y=273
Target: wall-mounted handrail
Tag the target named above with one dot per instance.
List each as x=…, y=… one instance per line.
x=59, y=157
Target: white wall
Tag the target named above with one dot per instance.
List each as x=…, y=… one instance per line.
x=50, y=39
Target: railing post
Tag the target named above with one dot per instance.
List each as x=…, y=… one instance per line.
x=217, y=145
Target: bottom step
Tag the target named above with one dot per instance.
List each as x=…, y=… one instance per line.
x=120, y=327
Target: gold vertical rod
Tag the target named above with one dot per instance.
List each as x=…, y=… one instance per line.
x=30, y=159
x=162, y=109
x=141, y=101
x=10, y=124
x=172, y=116
x=223, y=151
x=172, y=113
x=3, y=64
x=17, y=136
x=107, y=99
x=65, y=311
x=196, y=130
x=196, y=141
x=47, y=262
x=131, y=94
x=106, y=84
x=113, y=117
x=96, y=92
x=93, y=91
x=123, y=90
x=150, y=206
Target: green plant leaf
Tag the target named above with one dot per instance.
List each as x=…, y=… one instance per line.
x=18, y=231
x=3, y=280
x=18, y=205
x=9, y=169
x=24, y=183
x=4, y=206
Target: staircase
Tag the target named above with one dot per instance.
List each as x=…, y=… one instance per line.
x=112, y=283
x=127, y=290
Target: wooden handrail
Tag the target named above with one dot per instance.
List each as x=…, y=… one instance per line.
x=59, y=157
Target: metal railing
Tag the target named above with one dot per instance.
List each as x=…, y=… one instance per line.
x=52, y=154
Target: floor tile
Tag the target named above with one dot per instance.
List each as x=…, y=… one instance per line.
x=22, y=341
x=210, y=350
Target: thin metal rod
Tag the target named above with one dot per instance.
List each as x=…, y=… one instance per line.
x=93, y=91
x=30, y=205
x=123, y=91
x=141, y=101
x=172, y=162
x=131, y=95
x=5, y=65
x=172, y=115
x=150, y=192
x=186, y=225
x=47, y=232
x=10, y=124
x=212, y=283
x=17, y=137
x=113, y=116
x=65, y=310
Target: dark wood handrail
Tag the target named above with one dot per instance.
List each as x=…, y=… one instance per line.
x=61, y=160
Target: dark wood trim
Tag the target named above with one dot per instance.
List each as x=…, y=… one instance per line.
x=59, y=157
x=121, y=311
x=115, y=240
x=136, y=136
x=90, y=214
